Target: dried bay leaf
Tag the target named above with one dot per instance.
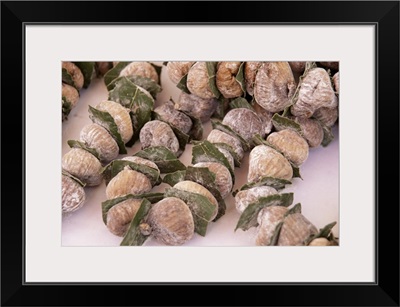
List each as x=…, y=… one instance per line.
x=134, y=236
x=205, y=151
x=114, y=167
x=164, y=158
x=108, y=204
x=248, y=218
x=87, y=69
x=105, y=120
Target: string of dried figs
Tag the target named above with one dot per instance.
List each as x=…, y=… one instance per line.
x=116, y=123
x=212, y=84
x=202, y=185
x=176, y=214
x=75, y=76
x=170, y=128
x=261, y=205
x=159, y=141
x=276, y=224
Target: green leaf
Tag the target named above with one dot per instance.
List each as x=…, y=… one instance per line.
x=236, y=160
x=276, y=183
x=275, y=237
x=295, y=209
x=207, y=152
x=78, y=144
x=134, y=236
x=87, y=69
x=324, y=232
x=113, y=73
x=240, y=102
x=67, y=78
x=222, y=108
x=202, y=209
x=217, y=124
x=82, y=184
x=135, y=98
x=163, y=158
x=281, y=123
x=328, y=135
x=146, y=83
x=114, y=167
x=296, y=171
x=66, y=107
x=196, y=133
x=108, y=204
x=182, y=84
x=105, y=120
x=174, y=178
x=206, y=178
x=248, y=218
x=211, y=71
x=240, y=78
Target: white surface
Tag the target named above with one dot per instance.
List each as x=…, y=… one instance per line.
x=48, y=261
x=318, y=192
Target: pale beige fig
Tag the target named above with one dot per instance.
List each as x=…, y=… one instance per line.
x=330, y=65
x=250, y=72
x=193, y=187
x=73, y=195
x=268, y=219
x=217, y=136
x=158, y=133
x=274, y=86
x=295, y=230
x=169, y=114
x=311, y=129
x=171, y=221
x=120, y=216
x=265, y=117
x=143, y=69
x=177, y=70
x=98, y=138
x=121, y=118
x=297, y=67
x=246, y=197
x=244, y=122
x=226, y=81
x=127, y=182
x=75, y=73
x=293, y=146
x=265, y=161
x=336, y=82
x=83, y=165
x=320, y=242
x=223, y=178
x=197, y=81
x=142, y=161
x=201, y=108
x=315, y=92
x=327, y=116
x=70, y=94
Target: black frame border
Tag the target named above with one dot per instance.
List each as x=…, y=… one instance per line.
x=383, y=14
